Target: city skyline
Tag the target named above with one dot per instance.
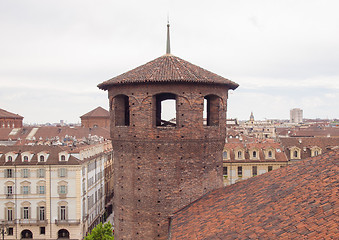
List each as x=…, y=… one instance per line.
x=284, y=54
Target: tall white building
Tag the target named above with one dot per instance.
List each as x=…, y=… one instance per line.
x=296, y=115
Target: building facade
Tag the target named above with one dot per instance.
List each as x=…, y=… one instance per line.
x=51, y=192
x=243, y=160
x=296, y=115
x=98, y=117
x=10, y=120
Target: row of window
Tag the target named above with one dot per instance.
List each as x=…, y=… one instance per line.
x=25, y=173
x=240, y=170
x=40, y=189
x=28, y=157
x=240, y=154
x=25, y=213
x=166, y=103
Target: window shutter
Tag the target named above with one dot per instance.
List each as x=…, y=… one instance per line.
x=29, y=213
x=66, y=210
x=6, y=212
x=6, y=173
x=22, y=173
x=29, y=189
x=28, y=173
x=5, y=190
x=58, y=212
x=66, y=189
x=21, y=190
x=22, y=212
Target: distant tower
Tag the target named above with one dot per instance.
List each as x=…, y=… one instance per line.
x=296, y=115
x=252, y=117
x=161, y=166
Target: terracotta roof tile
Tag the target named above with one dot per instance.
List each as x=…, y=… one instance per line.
x=299, y=201
x=6, y=114
x=98, y=112
x=53, y=158
x=168, y=68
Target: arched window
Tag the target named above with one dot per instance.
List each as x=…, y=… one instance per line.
x=63, y=158
x=25, y=159
x=239, y=154
x=42, y=158
x=211, y=110
x=121, y=110
x=165, y=110
x=63, y=233
x=224, y=154
x=295, y=153
x=9, y=159
x=254, y=154
x=270, y=154
x=316, y=153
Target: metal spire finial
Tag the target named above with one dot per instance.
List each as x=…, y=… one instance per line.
x=168, y=47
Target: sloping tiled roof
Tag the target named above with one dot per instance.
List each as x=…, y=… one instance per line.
x=305, y=143
x=48, y=132
x=261, y=146
x=168, y=68
x=6, y=114
x=299, y=201
x=98, y=112
x=53, y=158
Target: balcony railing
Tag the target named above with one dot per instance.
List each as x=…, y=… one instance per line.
x=8, y=222
x=29, y=222
x=9, y=195
x=67, y=222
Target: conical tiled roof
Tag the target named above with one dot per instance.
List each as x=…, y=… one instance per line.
x=168, y=68
x=98, y=112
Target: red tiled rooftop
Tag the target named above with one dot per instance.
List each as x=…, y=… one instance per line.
x=98, y=112
x=168, y=68
x=6, y=114
x=299, y=201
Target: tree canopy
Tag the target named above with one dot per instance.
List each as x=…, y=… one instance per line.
x=101, y=232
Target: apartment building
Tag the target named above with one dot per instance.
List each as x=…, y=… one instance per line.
x=242, y=159
x=52, y=192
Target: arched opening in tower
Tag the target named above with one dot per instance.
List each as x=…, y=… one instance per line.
x=211, y=110
x=166, y=110
x=121, y=110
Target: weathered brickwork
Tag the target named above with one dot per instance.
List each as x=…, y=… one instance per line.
x=160, y=169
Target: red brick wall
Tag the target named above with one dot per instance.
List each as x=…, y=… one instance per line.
x=159, y=170
x=95, y=121
x=11, y=121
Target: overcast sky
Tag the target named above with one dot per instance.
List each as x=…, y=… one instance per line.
x=283, y=53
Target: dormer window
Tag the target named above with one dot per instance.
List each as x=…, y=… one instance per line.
x=239, y=154
x=224, y=154
x=254, y=154
x=315, y=151
x=25, y=159
x=42, y=158
x=63, y=158
x=295, y=153
x=9, y=159
x=269, y=154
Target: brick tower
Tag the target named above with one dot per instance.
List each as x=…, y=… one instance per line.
x=160, y=165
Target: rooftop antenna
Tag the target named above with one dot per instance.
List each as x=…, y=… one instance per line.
x=168, y=47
